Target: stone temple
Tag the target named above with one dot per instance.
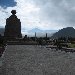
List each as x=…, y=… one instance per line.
x=13, y=26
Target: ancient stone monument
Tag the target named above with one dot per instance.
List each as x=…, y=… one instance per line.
x=13, y=26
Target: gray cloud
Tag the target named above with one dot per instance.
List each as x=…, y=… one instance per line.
x=58, y=11
x=53, y=14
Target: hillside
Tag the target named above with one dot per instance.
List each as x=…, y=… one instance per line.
x=2, y=31
x=65, y=32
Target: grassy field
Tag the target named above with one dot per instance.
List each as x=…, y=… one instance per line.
x=71, y=45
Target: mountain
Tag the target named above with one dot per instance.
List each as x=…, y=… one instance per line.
x=2, y=31
x=39, y=30
x=65, y=32
x=41, y=33
x=36, y=30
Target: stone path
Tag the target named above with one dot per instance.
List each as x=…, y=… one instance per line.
x=36, y=60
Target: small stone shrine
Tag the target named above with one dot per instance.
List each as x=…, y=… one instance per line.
x=13, y=26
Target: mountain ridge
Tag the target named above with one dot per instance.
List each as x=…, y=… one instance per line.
x=40, y=30
x=2, y=31
x=65, y=32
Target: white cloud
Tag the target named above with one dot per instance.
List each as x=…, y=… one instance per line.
x=26, y=12
x=29, y=14
x=42, y=14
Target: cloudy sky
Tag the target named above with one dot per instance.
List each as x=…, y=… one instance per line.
x=42, y=14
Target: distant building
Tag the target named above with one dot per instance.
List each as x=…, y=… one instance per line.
x=13, y=26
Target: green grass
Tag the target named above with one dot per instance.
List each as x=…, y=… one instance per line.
x=71, y=45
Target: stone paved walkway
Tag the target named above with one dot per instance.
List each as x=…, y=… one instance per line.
x=36, y=60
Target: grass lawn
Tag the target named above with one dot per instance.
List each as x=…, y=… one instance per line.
x=71, y=45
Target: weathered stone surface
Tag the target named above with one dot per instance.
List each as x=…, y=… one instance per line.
x=13, y=26
x=36, y=60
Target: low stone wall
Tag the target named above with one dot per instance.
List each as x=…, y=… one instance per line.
x=22, y=43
